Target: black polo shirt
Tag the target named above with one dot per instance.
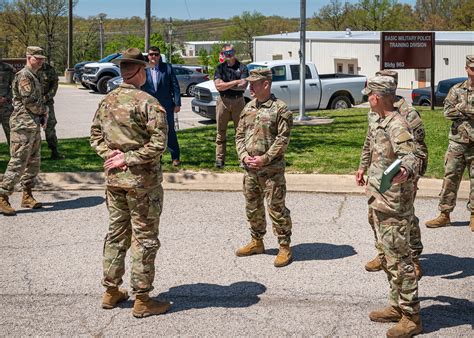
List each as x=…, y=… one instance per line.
x=228, y=73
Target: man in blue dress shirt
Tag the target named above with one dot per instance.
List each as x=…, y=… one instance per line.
x=161, y=82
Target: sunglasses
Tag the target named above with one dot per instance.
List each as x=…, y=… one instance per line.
x=153, y=54
x=230, y=52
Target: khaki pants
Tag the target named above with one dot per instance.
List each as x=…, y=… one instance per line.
x=226, y=109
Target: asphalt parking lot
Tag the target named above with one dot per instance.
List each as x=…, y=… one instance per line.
x=51, y=270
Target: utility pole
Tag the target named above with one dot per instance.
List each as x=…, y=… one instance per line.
x=101, y=34
x=170, y=32
x=69, y=70
x=302, y=55
x=147, y=24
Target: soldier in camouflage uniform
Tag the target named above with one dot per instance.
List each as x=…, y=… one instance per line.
x=7, y=73
x=262, y=137
x=129, y=132
x=418, y=132
x=49, y=82
x=392, y=211
x=28, y=116
x=459, y=108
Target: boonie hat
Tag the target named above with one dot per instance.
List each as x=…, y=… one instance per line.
x=470, y=60
x=35, y=51
x=131, y=55
x=260, y=74
x=380, y=84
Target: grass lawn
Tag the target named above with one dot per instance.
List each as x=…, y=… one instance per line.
x=329, y=149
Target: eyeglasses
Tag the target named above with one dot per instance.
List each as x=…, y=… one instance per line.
x=153, y=54
x=229, y=52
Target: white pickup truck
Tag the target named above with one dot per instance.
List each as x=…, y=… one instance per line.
x=325, y=91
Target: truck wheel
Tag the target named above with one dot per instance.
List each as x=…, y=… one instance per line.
x=94, y=88
x=190, y=89
x=102, y=84
x=340, y=102
x=426, y=104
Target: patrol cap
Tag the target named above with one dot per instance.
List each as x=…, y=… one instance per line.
x=388, y=72
x=260, y=74
x=131, y=55
x=35, y=51
x=470, y=60
x=380, y=84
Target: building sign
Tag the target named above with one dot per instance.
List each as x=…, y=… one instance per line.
x=17, y=63
x=407, y=50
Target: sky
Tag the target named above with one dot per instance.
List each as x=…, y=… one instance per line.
x=197, y=9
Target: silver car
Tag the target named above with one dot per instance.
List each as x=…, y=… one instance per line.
x=187, y=80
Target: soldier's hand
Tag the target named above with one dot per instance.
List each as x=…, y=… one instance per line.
x=401, y=177
x=177, y=109
x=255, y=162
x=45, y=121
x=116, y=161
x=360, y=177
x=247, y=160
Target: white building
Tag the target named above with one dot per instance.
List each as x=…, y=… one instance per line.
x=192, y=48
x=358, y=52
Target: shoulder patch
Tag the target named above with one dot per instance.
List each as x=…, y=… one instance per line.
x=25, y=84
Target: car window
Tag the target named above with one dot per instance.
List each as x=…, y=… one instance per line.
x=444, y=86
x=295, y=72
x=279, y=73
x=179, y=71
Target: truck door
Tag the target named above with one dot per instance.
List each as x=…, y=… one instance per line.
x=312, y=89
x=281, y=85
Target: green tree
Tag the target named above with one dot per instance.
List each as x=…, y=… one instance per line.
x=436, y=14
x=332, y=16
x=244, y=28
x=463, y=16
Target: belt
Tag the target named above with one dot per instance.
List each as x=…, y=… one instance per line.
x=231, y=96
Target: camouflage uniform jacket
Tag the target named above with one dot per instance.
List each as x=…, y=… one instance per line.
x=49, y=82
x=134, y=122
x=28, y=103
x=459, y=107
x=417, y=129
x=264, y=130
x=391, y=140
x=7, y=73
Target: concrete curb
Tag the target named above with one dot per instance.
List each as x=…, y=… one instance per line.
x=211, y=181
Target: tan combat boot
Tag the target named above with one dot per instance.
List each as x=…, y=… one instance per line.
x=418, y=269
x=113, y=296
x=254, y=247
x=28, y=201
x=374, y=265
x=284, y=256
x=145, y=306
x=408, y=326
x=5, y=207
x=389, y=314
x=441, y=221
x=471, y=223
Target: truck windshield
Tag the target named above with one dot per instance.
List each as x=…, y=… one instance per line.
x=109, y=58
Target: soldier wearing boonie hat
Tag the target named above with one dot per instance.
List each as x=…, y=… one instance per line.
x=418, y=132
x=459, y=108
x=380, y=84
x=129, y=132
x=29, y=115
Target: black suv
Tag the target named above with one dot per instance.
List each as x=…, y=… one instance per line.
x=422, y=96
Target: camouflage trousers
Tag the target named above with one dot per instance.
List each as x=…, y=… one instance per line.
x=394, y=235
x=226, y=109
x=415, y=244
x=25, y=160
x=457, y=158
x=5, y=113
x=272, y=187
x=134, y=217
x=50, y=130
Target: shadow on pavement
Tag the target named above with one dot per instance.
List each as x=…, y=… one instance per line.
x=454, y=312
x=78, y=203
x=460, y=224
x=448, y=266
x=317, y=251
x=204, y=295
